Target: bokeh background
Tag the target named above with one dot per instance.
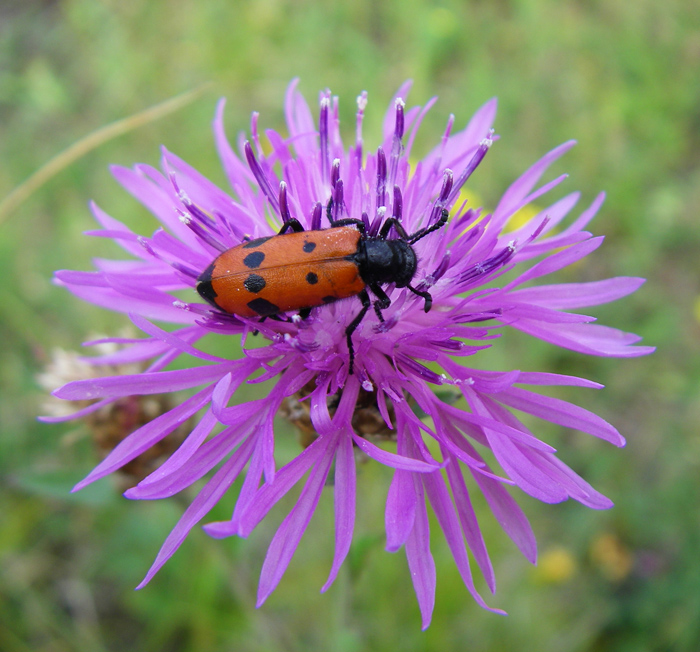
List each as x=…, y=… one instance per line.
x=623, y=78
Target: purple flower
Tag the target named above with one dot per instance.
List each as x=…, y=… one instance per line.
x=477, y=268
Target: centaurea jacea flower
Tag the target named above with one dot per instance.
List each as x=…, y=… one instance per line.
x=399, y=362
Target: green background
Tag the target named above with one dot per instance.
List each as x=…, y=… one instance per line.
x=623, y=78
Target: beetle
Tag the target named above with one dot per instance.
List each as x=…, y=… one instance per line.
x=300, y=270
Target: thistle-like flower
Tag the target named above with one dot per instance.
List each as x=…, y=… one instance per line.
x=402, y=352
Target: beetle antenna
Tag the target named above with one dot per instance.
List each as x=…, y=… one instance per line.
x=414, y=237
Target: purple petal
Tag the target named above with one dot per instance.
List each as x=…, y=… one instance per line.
x=300, y=122
x=587, y=338
x=578, y=295
x=442, y=506
x=174, y=341
x=391, y=459
x=527, y=475
x=285, y=479
x=514, y=196
x=145, y=437
x=420, y=560
x=576, y=487
x=460, y=147
x=112, y=224
x=179, y=458
x=153, y=196
x=210, y=494
x=509, y=515
x=344, y=487
x=561, y=412
x=558, y=261
x=159, y=307
x=203, y=460
x=139, y=351
x=543, y=378
x=236, y=172
x=470, y=524
x=287, y=537
x=90, y=409
x=400, y=510
x=161, y=382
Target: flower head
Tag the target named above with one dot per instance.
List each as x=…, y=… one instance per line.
x=401, y=352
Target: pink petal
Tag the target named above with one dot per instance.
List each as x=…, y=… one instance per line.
x=470, y=524
x=287, y=537
x=210, y=494
x=344, y=487
x=443, y=508
x=592, y=339
x=146, y=436
x=400, y=511
x=561, y=412
x=393, y=460
x=568, y=296
x=420, y=560
x=161, y=382
x=509, y=515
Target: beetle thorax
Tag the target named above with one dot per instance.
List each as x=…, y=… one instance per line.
x=386, y=261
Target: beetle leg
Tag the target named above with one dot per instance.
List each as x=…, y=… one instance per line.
x=352, y=326
x=426, y=295
x=413, y=237
x=382, y=302
x=291, y=224
x=378, y=311
x=386, y=227
x=304, y=313
x=347, y=221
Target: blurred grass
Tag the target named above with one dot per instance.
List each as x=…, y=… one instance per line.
x=622, y=78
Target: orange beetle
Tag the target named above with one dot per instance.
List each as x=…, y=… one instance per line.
x=304, y=269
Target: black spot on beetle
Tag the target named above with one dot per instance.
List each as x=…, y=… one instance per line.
x=204, y=286
x=256, y=243
x=263, y=307
x=254, y=260
x=309, y=246
x=207, y=292
x=311, y=278
x=206, y=274
x=254, y=283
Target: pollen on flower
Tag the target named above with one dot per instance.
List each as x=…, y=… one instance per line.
x=362, y=101
x=488, y=141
